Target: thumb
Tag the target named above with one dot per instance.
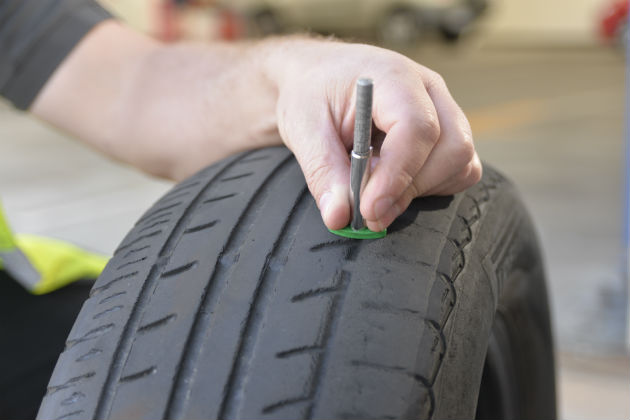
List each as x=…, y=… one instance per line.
x=335, y=207
x=326, y=166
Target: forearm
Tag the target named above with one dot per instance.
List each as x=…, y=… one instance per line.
x=168, y=109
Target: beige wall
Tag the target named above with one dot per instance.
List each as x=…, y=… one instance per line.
x=198, y=23
x=555, y=21
x=138, y=13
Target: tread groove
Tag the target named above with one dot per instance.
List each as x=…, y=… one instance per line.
x=439, y=345
x=152, y=225
x=235, y=177
x=314, y=292
x=176, y=196
x=280, y=404
x=201, y=227
x=331, y=244
x=138, y=239
x=388, y=308
x=69, y=383
x=155, y=324
x=394, y=369
x=67, y=415
x=250, y=331
x=298, y=350
x=123, y=348
x=179, y=270
x=112, y=296
x=135, y=250
x=76, y=396
x=185, y=376
x=403, y=371
x=163, y=209
x=127, y=264
x=90, y=335
x=253, y=159
x=183, y=186
x=139, y=375
x=330, y=329
x=143, y=222
x=219, y=198
x=107, y=311
x=97, y=290
x=93, y=352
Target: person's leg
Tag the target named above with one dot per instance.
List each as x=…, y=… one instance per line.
x=33, y=330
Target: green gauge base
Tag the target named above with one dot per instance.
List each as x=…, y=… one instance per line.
x=364, y=233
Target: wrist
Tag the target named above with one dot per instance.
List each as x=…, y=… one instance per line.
x=286, y=59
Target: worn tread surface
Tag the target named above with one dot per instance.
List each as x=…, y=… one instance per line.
x=230, y=299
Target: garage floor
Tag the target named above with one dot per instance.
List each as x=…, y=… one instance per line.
x=552, y=120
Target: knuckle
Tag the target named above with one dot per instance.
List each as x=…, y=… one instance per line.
x=470, y=176
x=465, y=151
x=406, y=179
x=416, y=189
x=429, y=128
x=436, y=79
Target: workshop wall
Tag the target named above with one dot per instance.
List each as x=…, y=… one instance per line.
x=543, y=21
x=562, y=22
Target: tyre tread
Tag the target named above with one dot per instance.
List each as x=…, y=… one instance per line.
x=177, y=217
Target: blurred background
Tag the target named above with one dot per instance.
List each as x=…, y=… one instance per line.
x=543, y=84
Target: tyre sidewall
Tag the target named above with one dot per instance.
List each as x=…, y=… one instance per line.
x=505, y=242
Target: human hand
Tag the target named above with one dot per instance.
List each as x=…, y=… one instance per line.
x=193, y=104
x=427, y=147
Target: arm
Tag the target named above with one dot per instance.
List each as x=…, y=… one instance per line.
x=166, y=109
x=172, y=109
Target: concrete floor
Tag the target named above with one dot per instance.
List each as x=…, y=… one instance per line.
x=551, y=120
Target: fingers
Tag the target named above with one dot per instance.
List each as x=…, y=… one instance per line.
x=409, y=118
x=427, y=149
x=466, y=178
x=451, y=165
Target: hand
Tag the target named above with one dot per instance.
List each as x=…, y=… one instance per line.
x=427, y=149
x=171, y=110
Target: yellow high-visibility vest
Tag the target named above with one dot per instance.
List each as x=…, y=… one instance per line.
x=42, y=265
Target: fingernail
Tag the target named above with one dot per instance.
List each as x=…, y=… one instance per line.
x=382, y=206
x=386, y=219
x=324, y=203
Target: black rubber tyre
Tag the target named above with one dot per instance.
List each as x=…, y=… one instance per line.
x=230, y=299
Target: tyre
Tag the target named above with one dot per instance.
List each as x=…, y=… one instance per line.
x=230, y=299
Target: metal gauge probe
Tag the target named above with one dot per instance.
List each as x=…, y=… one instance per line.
x=361, y=151
x=360, y=163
